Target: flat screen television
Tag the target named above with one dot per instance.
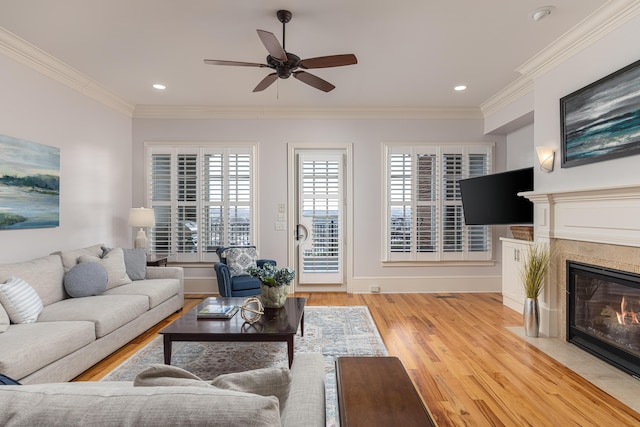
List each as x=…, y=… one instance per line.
x=493, y=199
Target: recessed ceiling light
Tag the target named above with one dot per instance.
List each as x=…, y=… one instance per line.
x=460, y=88
x=159, y=86
x=541, y=13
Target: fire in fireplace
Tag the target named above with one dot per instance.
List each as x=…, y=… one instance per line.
x=604, y=314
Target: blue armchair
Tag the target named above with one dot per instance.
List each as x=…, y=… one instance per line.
x=236, y=286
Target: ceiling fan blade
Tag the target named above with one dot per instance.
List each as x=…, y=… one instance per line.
x=314, y=81
x=236, y=63
x=329, y=61
x=272, y=44
x=266, y=82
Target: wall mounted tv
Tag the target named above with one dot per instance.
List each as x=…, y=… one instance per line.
x=493, y=199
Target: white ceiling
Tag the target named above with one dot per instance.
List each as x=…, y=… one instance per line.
x=410, y=52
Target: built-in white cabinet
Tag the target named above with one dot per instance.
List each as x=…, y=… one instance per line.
x=514, y=253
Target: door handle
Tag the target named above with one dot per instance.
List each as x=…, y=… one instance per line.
x=301, y=232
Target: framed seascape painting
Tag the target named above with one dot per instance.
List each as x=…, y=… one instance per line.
x=602, y=121
x=29, y=184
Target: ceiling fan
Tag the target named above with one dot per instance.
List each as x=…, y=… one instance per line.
x=286, y=63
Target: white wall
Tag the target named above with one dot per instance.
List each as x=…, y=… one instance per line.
x=520, y=148
x=367, y=137
x=95, y=162
x=607, y=55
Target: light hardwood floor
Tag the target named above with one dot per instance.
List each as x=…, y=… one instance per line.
x=469, y=369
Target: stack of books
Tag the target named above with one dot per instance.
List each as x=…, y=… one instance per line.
x=217, y=311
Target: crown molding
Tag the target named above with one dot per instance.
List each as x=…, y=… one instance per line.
x=610, y=16
x=24, y=52
x=516, y=90
x=211, y=112
x=603, y=21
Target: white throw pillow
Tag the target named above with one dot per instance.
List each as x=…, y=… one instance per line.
x=114, y=265
x=21, y=301
x=240, y=259
x=4, y=320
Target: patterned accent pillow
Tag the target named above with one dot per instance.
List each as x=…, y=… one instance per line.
x=21, y=301
x=240, y=259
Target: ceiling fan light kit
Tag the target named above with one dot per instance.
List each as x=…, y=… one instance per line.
x=286, y=63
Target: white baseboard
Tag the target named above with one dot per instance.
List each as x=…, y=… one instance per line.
x=200, y=285
x=360, y=285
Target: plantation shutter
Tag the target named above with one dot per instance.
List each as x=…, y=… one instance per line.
x=160, y=195
x=239, y=199
x=425, y=219
x=479, y=236
x=320, y=217
x=202, y=198
x=400, y=195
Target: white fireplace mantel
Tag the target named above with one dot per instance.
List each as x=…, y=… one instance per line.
x=607, y=216
x=601, y=215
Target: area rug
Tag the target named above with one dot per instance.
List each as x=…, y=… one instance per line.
x=332, y=331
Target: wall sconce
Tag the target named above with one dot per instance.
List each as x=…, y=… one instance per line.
x=545, y=157
x=141, y=217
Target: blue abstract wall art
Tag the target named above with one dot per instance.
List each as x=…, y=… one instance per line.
x=602, y=121
x=29, y=184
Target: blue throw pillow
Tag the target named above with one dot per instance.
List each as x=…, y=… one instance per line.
x=85, y=279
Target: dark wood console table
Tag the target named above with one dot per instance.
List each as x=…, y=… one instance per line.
x=377, y=391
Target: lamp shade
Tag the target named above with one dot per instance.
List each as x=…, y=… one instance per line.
x=141, y=217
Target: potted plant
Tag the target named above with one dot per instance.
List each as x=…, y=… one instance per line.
x=533, y=273
x=274, y=283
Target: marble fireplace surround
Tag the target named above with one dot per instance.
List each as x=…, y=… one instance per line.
x=599, y=226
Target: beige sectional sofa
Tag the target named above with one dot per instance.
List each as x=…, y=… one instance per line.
x=72, y=334
x=268, y=397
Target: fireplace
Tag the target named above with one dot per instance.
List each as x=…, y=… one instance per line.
x=603, y=314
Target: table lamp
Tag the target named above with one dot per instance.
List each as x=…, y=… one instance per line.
x=142, y=218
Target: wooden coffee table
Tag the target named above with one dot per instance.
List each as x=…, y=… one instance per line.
x=276, y=324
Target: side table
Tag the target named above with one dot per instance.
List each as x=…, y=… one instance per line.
x=157, y=260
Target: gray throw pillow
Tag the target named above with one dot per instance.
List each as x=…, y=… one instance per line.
x=265, y=382
x=159, y=375
x=113, y=263
x=85, y=279
x=135, y=261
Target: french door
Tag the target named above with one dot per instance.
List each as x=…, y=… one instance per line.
x=320, y=228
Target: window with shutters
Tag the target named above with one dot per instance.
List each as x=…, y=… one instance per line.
x=423, y=215
x=202, y=199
